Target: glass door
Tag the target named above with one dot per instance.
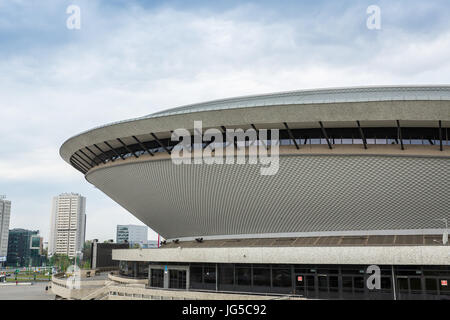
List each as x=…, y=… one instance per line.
x=300, y=285
x=403, y=287
x=177, y=279
x=157, y=278
x=415, y=285
x=322, y=280
x=310, y=286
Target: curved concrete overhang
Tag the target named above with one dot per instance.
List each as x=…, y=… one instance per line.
x=420, y=106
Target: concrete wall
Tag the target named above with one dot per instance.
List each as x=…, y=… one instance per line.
x=60, y=288
x=125, y=280
x=401, y=255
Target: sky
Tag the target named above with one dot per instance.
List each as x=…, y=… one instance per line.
x=132, y=58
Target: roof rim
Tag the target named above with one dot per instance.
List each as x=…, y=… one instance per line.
x=350, y=89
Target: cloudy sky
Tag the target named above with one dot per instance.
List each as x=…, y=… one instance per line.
x=132, y=58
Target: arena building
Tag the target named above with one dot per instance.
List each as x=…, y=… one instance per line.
x=363, y=179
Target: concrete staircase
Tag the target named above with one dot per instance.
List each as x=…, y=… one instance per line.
x=99, y=294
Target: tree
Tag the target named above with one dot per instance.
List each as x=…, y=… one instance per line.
x=86, y=264
x=86, y=261
x=45, y=253
x=62, y=261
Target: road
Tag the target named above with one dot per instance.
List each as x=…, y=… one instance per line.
x=26, y=292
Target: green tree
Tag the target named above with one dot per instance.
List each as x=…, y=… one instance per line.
x=86, y=264
x=62, y=261
x=86, y=260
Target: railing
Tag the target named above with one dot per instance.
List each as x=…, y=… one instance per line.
x=118, y=292
x=62, y=287
x=125, y=280
x=118, y=288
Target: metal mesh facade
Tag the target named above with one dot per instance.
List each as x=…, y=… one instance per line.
x=308, y=194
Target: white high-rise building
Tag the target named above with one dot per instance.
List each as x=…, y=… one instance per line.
x=5, y=213
x=67, y=224
x=132, y=233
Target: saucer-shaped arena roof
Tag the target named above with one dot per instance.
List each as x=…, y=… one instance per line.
x=316, y=96
x=352, y=162
x=377, y=103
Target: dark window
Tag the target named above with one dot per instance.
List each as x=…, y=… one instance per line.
x=333, y=287
x=385, y=283
x=123, y=268
x=436, y=271
x=359, y=286
x=403, y=284
x=261, y=276
x=334, y=283
x=310, y=286
x=226, y=274
x=127, y=268
x=409, y=271
x=132, y=269
x=328, y=271
x=209, y=275
x=431, y=285
x=347, y=284
x=323, y=283
x=359, y=282
x=243, y=276
x=353, y=270
x=196, y=279
x=415, y=285
x=281, y=277
x=302, y=270
x=157, y=278
x=177, y=279
x=142, y=270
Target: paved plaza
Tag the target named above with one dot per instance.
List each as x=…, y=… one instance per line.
x=26, y=292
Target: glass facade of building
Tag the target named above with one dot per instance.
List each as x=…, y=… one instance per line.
x=310, y=281
x=24, y=248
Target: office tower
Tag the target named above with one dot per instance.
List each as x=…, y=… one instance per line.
x=5, y=212
x=67, y=224
x=24, y=248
